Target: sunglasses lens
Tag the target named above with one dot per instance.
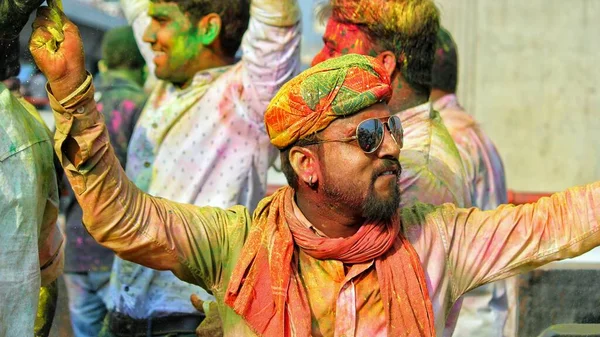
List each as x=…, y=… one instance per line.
x=369, y=134
x=396, y=129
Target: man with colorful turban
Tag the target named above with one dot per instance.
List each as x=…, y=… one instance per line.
x=402, y=35
x=327, y=255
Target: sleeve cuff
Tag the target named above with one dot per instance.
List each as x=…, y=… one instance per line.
x=278, y=13
x=52, y=269
x=76, y=112
x=133, y=8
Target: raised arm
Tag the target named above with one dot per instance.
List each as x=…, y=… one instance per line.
x=136, y=12
x=484, y=246
x=192, y=242
x=270, y=52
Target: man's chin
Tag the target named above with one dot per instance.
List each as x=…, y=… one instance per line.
x=382, y=207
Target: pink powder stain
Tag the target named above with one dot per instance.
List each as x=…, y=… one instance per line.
x=79, y=241
x=116, y=120
x=128, y=105
x=99, y=106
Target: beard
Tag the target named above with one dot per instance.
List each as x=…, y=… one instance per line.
x=377, y=208
x=373, y=206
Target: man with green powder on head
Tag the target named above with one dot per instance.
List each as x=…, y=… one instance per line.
x=200, y=137
x=31, y=244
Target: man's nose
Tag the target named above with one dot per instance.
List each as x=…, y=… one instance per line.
x=389, y=147
x=149, y=34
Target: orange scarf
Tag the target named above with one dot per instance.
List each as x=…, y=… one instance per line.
x=265, y=287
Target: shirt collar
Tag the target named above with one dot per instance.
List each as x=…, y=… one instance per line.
x=201, y=78
x=300, y=216
x=445, y=101
x=422, y=111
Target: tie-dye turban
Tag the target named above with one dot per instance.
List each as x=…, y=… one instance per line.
x=335, y=88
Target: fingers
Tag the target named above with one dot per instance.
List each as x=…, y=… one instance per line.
x=197, y=302
x=54, y=22
x=39, y=39
x=47, y=21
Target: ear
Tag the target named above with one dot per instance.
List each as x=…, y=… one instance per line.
x=305, y=164
x=389, y=61
x=209, y=28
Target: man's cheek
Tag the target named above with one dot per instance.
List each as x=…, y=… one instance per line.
x=320, y=57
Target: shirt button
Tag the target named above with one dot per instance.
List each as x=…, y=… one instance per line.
x=146, y=164
x=80, y=109
x=126, y=288
x=68, y=117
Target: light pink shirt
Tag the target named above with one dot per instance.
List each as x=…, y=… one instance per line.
x=482, y=162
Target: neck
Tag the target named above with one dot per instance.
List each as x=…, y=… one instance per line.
x=209, y=61
x=437, y=94
x=330, y=219
x=405, y=97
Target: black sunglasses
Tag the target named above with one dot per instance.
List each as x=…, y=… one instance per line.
x=370, y=133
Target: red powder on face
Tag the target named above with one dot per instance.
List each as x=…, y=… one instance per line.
x=342, y=38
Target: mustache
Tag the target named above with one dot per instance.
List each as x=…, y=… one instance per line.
x=388, y=164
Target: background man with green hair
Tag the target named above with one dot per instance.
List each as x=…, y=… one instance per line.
x=402, y=34
x=120, y=98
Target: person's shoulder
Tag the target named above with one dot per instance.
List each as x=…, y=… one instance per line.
x=18, y=128
x=419, y=216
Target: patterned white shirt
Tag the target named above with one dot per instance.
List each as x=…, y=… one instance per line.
x=206, y=144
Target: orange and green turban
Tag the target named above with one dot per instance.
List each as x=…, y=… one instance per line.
x=334, y=88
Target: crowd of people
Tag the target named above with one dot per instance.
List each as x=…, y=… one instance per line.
x=392, y=222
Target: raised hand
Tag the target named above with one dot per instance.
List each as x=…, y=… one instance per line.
x=58, y=51
x=212, y=326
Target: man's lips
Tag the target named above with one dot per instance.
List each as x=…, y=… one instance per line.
x=389, y=170
x=158, y=53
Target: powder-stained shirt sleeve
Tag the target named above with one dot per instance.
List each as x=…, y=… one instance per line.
x=484, y=246
x=136, y=13
x=193, y=242
x=270, y=52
